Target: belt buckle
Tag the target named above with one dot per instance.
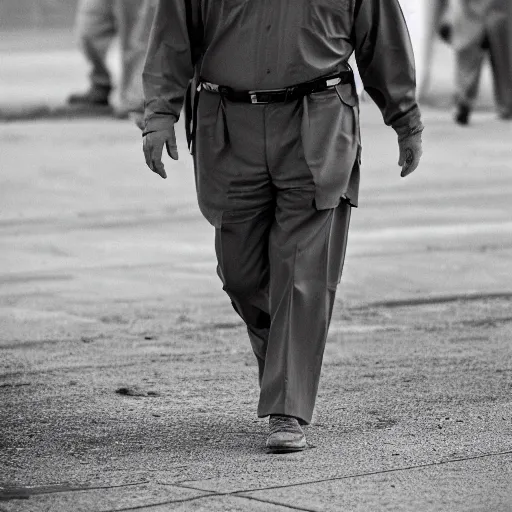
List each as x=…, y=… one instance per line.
x=254, y=98
x=331, y=82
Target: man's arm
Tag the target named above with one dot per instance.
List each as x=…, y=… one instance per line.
x=174, y=48
x=170, y=60
x=385, y=60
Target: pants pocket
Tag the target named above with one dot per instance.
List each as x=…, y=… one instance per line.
x=347, y=94
x=330, y=140
x=211, y=160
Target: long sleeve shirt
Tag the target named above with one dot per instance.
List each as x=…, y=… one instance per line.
x=267, y=44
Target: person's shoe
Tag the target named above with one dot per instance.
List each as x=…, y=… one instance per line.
x=462, y=114
x=286, y=435
x=96, y=96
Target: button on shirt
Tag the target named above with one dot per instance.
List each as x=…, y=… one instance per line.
x=266, y=44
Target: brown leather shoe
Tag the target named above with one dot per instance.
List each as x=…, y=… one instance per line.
x=286, y=435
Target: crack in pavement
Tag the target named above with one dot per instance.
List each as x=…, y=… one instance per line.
x=439, y=299
x=13, y=493
x=211, y=494
x=167, y=502
x=277, y=503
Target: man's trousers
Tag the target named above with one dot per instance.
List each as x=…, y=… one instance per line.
x=280, y=256
x=98, y=22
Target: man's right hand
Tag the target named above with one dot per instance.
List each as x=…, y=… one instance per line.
x=153, y=145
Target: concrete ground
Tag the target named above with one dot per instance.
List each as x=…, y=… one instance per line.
x=127, y=381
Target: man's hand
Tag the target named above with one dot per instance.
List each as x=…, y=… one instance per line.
x=410, y=153
x=153, y=145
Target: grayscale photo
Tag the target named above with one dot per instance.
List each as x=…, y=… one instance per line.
x=256, y=255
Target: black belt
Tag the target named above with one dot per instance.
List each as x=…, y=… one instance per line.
x=262, y=97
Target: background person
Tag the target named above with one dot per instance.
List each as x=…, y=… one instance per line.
x=477, y=28
x=98, y=23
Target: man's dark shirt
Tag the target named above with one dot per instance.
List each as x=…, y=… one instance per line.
x=265, y=44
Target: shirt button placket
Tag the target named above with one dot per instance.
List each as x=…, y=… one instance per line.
x=269, y=7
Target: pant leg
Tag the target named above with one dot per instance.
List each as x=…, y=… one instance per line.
x=96, y=28
x=500, y=49
x=241, y=246
x=133, y=39
x=270, y=235
x=235, y=195
x=307, y=249
x=298, y=277
x=468, y=62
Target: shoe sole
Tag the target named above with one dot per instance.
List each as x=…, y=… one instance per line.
x=285, y=450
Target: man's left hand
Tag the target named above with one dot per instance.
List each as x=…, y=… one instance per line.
x=410, y=153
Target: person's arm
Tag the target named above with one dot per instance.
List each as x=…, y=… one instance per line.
x=385, y=61
x=174, y=48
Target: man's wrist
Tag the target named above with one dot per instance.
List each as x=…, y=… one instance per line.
x=160, y=123
x=410, y=132
x=408, y=125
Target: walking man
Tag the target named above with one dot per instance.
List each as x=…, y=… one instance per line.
x=273, y=122
x=98, y=23
x=481, y=27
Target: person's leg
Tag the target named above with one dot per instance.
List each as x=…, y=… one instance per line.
x=235, y=195
x=500, y=49
x=307, y=249
x=468, y=68
x=306, y=255
x=96, y=28
x=241, y=246
x=134, y=24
